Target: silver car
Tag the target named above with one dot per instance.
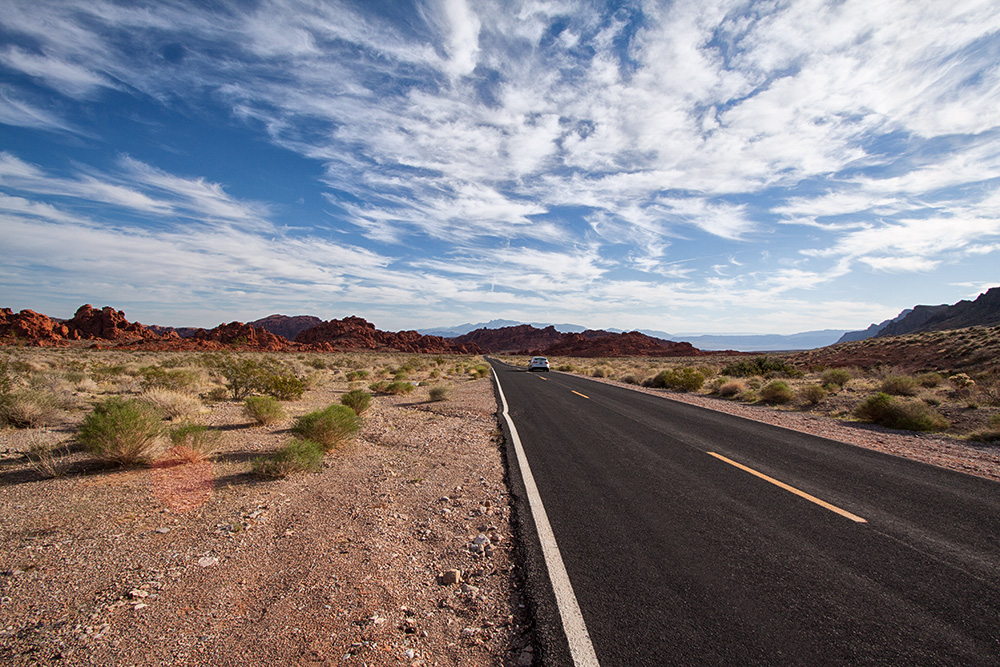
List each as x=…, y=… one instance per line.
x=538, y=364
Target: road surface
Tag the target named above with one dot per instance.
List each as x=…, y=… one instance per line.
x=692, y=537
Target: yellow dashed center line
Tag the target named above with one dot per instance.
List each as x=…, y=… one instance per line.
x=579, y=394
x=541, y=378
x=792, y=489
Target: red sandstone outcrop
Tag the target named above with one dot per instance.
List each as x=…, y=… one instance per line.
x=244, y=336
x=106, y=324
x=31, y=327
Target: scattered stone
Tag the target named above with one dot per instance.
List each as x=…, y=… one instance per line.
x=451, y=577
x=208, y=561
x=163, y=531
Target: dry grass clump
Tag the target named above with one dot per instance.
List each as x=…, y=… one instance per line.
x=25, y=408
x=730, y=389
x=263, y=410
x=328, y=427
x=171, y=403
x=192, y=443
x=122, y=431
x=440, y=392
x=48, y=460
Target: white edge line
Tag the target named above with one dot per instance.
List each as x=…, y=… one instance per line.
x=580, y=647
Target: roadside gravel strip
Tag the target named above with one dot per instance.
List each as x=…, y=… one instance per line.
x=397, y=553
x=981, y=459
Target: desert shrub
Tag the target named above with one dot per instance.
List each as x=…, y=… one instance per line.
x=318, y=364
x=730, y=389
x=24, y=408
x=295, y=456
x=328, y=427
x=440, y=392
x=631, y=379
x=353, y=376
x=963, y=384
x=378, y=387
x=357, y=400
x=812, y=393
x=157, y=377
x=193, y=443
x=899, y=385
x=930, y=380
x=122, y=431
x=885, y=410
x=683, y=379
x=399, y=388
x=749, y=395
x=263, y=410
x=599, y=373
x=102, y=372
x=758, y=365
x=777, y=392
x=285, y=386
x=838, y=377
x=172, y=404
x=989, y=389
x=479, y=371
x=245, y=375
x=566, y=368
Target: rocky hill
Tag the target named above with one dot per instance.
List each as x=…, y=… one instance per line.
x=526, y=339
x=356, y=333
x=286, y=326
x=511, y=339
x=87, y=323
x=984, y=311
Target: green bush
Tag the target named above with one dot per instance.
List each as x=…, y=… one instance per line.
x=122, y=432
x=263, y=410
x=296, y=456
x=812, y=393
x=899, y=385
x=440, y=392
x=777, y=392
x=328, y=427
x=378, y=387
x=245, y=375
x=285, y=387
x=836, y=376
x=758, y=365
x=885, y=410
x=156, y=377
x=356, y=375
x=357, y=400
x=631, y=379
x=479, y=371
x=683, y=379
x=399, y=388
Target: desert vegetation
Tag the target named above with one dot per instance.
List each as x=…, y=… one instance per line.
x=131, y=408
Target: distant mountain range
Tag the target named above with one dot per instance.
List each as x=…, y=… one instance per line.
x=713, y=342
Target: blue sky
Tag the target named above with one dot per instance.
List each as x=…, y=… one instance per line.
x=696, y=166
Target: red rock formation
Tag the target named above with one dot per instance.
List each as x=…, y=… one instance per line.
x=243, y=336
x=355, y=333
x=106, y=324
x=30, y=327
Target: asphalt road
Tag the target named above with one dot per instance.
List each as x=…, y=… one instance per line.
x=679, y=557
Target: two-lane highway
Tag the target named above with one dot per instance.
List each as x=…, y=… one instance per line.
x=692, y=537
